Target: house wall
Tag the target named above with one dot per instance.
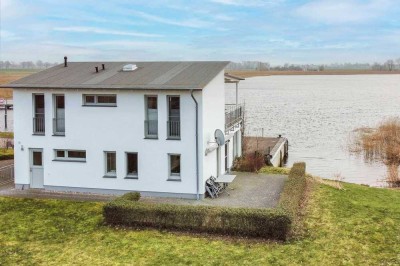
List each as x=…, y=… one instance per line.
x=214, y=118
x=120, y=129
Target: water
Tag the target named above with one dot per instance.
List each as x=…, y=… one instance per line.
x=317, y=114
x=10, y=126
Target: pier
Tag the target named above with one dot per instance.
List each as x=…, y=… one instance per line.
x=274, y=150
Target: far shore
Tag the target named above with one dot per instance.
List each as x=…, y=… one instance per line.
x=255, y=73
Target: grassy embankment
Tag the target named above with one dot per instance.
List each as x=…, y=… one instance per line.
x=357, y=225
x=253, y=73
x=7, y=76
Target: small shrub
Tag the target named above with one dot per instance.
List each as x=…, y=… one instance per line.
x=131, y=196
x=249, y=162
x=6, y=154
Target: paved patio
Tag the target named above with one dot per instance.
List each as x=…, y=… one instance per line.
x=248, y=190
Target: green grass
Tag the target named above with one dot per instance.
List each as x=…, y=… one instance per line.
x=354, y=226
x=274, y=170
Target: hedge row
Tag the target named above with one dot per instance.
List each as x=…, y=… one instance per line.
x=6, y=154
x=266, y=223
x=294, y=189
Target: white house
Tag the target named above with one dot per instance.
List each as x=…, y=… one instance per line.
x=115, y=127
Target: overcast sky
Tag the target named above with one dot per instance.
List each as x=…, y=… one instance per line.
x=276, y=31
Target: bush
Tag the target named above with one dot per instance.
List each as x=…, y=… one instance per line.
x=266, y=223
x=131, y=196
x=249, y=162
x=6, y=154
x=294, y=189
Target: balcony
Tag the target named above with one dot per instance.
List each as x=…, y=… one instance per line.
x=151, y=129
x=59, y=126
x=233, y=116
x=38, y=125
x=174, y=129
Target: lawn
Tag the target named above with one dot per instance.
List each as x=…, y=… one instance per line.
x=357, y=225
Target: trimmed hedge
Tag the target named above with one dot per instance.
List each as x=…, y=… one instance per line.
x=266, y=223
x=6, y=154
x=294, y=189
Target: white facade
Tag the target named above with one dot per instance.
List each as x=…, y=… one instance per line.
x=120, y=129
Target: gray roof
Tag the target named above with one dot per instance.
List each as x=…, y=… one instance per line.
x=148, y=75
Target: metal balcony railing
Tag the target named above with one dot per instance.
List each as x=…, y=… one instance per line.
x=151, y=129
x=174, y=129
x=233, y=115
x=59, y=126
x=38, y=125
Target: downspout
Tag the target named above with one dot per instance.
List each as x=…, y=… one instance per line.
x=197, y=145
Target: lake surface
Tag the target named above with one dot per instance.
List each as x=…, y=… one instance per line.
x=317, y=114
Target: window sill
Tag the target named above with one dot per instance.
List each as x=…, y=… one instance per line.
x=98, y=105
x=109, y=176
x=131, y=177
x=173, y=139
x=172, y=178
x=38, y=134
x=155, y=138
x=67, y=160
x=58, y=135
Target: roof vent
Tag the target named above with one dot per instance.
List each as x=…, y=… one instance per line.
x=129, y=67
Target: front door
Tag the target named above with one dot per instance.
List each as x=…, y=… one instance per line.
x=37, y=174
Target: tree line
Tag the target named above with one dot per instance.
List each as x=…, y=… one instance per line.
x=389, y=65
x=39, y=64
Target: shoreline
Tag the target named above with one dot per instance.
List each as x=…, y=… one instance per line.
x=255, y=73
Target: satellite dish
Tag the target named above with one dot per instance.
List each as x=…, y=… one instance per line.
x=219, y=137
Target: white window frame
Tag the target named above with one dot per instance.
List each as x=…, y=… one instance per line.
x=128, y=175
x=66, y=158
x=96, y=102
x=172, y=176
x=110, y=174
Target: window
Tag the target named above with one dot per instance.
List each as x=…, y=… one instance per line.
x=111, y=164
x=99, y=100
x=174, y=118
x=151, y=121
x=59, y=115
x=38, y=114
x=37, y=158
x=70, y=155
x=175, y=167
x=131, y=165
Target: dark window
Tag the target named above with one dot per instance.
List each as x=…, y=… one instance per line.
x=151, y=122
x=71, y=155
x=77, y=154
x=111, y=165
x=90, y=99
x=60, y=154
x=174, y=117
x=38, y=116
x=175, y=164
x=37, y=158
x=132, y=164
x=108, y=100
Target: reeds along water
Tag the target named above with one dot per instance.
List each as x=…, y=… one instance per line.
x=381, y=144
